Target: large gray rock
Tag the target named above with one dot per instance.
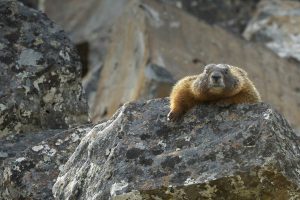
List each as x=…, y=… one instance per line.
x=233, y=152
x=276, y=24
x=31, y=162
x=40, y=73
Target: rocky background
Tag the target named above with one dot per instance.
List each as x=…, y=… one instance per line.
x=136, y=49
x=66, y=67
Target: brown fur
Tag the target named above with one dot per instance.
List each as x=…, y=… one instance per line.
x=233, y=87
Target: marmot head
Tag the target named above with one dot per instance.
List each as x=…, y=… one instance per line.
x=220, y=79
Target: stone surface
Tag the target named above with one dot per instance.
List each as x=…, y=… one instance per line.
x=40, y=73
x=233, y=152
x=34, y=161
x=233, y=15
x=150, y=33
x=276, y=24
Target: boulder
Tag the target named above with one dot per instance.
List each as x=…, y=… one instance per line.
x=226, y=152
x=150, y=33
x=34, y=160
x=40, y=73
x=276, y=24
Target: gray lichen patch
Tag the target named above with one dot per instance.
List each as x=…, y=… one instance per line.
x=242, y=186
x=29, y=57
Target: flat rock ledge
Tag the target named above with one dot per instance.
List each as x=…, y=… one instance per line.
x=214, y=152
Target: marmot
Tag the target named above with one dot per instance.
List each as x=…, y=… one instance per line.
x=218, y=83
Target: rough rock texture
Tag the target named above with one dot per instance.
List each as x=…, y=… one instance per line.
x=232, y=15
x=33, y=162
x=235, y=152
x=152, y=33
x=40, y=93
x=276, y=24
x=40, y=73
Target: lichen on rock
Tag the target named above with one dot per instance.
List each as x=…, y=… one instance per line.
x=34, y=160
x=40, y=73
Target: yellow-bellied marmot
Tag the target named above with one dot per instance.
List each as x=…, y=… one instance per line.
x=218, y=83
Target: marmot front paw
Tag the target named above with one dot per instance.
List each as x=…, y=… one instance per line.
x=173, y=116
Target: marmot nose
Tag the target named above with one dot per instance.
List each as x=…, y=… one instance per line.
x=216, y=77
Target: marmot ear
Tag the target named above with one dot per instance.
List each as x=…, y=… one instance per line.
x=242, y=72
x=207, y=66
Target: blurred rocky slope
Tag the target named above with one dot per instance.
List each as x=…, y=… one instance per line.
x=277, y=25
x=232, y=15
x=139, y=48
